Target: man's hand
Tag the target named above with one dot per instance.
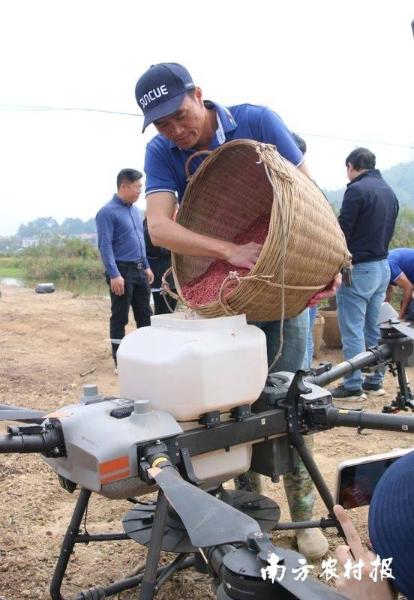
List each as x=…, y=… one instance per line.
x=351, y=587
x=329, y=291
x=245, y=256
x=150, y=275
x=118, y=286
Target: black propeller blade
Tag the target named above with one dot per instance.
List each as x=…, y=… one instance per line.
x=209, y=521
x=310, y=589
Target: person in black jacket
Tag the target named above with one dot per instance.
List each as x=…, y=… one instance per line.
x=160, y=261
x=368, y=214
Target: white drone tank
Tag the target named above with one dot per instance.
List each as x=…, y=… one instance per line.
x=190, y=366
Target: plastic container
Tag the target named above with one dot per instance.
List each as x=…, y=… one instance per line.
x=188, y=367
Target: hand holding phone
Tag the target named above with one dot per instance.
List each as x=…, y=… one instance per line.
x=351, y=587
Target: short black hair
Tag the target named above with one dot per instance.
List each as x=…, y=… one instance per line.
x=127, y=175
x=360, y=159
x=300, y=142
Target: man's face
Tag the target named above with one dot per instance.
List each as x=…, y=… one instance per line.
x=130, y=191
x=184, y=127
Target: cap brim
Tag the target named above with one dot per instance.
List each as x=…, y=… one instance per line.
x=163, y=110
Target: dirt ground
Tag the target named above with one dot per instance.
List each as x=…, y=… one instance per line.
x=47, y=344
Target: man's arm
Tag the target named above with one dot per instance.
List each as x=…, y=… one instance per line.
x=105, y=229
x=403, y=282
x=303, y=167
x=349, y=212
x=388, y=295
x=164, y=231
x=366, y=587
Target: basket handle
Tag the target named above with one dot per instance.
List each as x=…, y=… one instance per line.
x=166, y=286
x=190, y=158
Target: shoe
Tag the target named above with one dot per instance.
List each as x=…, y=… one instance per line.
x=312, y=543
x=374, y=389
x=341, y=393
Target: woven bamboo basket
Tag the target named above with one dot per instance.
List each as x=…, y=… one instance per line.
x=235, y=185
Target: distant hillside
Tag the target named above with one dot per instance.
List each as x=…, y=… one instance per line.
x=400, y=178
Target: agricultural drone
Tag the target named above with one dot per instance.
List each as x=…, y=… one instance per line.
x=125, y=447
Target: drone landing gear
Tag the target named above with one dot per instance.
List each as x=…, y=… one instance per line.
x=404, y=399
x=149, y=581
x=139, y=522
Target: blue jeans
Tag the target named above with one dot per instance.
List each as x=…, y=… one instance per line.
x=309, y=343
x=295, y=333
x=358, y=311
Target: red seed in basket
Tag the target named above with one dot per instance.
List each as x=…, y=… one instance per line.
x=206, y=287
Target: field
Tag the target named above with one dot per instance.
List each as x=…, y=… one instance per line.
x=48, y=345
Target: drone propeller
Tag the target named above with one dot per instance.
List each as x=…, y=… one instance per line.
x=208, y=521
x=403, y=328
x=17, y=413
x=388, y=315
x=309, y=589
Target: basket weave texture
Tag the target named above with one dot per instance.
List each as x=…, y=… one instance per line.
x=235, y=185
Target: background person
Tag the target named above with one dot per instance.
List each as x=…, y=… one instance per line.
x=401, y=262
x=122, y=248
x=367, y=218
x=160, y=261
x=186, y=123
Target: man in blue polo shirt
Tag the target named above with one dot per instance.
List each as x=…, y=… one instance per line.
x=122, y=248
x=401, y=262
x=186, y=123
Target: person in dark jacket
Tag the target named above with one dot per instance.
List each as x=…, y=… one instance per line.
x=368, y=214
x=160, y=261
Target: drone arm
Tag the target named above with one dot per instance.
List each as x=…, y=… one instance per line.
x=48, y=442
x=364, y=359
x=353, y=418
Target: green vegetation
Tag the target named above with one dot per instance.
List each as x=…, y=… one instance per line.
x=61, y=259
x=404, y=230
x=10, y=267
x=47, y=226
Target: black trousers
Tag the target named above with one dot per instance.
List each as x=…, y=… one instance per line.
x=136, y=295
x=160, y=306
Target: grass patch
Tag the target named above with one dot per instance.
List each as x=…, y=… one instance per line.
x=12, y=272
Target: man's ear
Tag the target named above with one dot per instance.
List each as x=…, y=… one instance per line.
x=198, y=95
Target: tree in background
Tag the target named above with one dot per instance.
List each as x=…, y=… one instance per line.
x=71, y=227
x=39, y=227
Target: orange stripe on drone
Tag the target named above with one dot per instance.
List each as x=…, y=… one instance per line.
x=120, y=475
x=114, y=465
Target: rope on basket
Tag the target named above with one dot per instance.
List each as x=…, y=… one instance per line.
x=260, y=151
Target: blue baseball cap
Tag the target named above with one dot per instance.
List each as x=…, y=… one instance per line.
x=391, y=521
x=160, y=91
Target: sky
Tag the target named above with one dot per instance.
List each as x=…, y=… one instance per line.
x=338, y=73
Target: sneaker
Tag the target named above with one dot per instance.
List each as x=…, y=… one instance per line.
x=374, y=389
x=312, y=543
x=341, y=393
x=116, y=370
